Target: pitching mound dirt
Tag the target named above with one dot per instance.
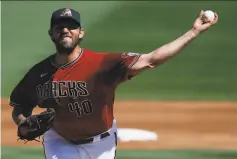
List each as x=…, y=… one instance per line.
x=186, y=124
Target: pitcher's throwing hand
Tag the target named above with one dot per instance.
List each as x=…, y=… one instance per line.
x=200, y=25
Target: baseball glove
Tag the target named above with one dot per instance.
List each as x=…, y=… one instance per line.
x=36, y=125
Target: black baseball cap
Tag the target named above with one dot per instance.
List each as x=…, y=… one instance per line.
x=65, y=13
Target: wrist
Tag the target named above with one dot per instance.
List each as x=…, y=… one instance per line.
x=194, y=32
x=19, y=119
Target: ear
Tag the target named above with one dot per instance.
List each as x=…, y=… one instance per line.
x=81, y=33
x=50, y=33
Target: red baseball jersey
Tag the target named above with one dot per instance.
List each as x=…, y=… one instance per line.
x=82, y=91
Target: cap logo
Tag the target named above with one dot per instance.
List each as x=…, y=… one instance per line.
x=66, y=12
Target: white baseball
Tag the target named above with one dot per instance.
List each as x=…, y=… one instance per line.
x=208, y=16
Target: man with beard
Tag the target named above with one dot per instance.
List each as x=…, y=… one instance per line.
x=79, y=84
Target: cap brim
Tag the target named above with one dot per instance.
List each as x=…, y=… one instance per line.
x=64, y=18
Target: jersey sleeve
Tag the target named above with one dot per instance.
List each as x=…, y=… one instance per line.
x=24, y=95
x=120, y=66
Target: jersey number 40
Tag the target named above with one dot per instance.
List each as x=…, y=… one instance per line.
x=84, y=107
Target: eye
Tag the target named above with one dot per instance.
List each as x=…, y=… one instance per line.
x=73, y=26
x=70, y=25
x=58, y=28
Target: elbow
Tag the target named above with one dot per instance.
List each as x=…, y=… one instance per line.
x=159, y=56
x=152, y=65
x=155, y=61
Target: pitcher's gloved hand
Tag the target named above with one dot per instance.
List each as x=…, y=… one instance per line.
x=35, y=125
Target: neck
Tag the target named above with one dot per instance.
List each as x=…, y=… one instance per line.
x=61, y=58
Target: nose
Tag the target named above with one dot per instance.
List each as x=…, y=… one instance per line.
x=65, y=29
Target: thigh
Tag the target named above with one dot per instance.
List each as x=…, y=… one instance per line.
x=110, y=152
x=104, y=149
x=56, y=147
x=59, y=150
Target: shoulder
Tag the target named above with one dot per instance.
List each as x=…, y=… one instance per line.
x=93, y=52
x=111, y=57
x=104, y=54
x=40, y=66
x=89, y=52
x=95, y=56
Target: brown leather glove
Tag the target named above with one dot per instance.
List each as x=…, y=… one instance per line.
x=36, y=125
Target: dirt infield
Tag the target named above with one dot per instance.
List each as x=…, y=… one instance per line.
x=179, y=124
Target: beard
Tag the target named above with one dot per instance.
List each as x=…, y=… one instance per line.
x=66, y=46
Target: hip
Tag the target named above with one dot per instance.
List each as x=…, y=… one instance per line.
x=101, y=146
x=77, y=135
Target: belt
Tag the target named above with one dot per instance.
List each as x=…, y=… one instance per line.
x=90, y=140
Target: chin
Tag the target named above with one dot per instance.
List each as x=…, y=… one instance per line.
x=66, y=49
x=65, y=43
x=67, y=46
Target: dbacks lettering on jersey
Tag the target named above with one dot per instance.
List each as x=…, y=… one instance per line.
x=62, y=89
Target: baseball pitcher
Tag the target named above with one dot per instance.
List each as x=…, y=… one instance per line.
x=77, y=87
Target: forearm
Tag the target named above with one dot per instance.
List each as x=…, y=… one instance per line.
x=166, y=52
x=171, y=49
x=18, y=115
x=18, y=119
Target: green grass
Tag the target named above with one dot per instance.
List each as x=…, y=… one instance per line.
x=206, y=70
x=37, y=153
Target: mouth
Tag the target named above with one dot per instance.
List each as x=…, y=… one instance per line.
x=65, y=36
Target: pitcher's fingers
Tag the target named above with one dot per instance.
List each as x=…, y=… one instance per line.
x=216, y=19
x=206, y=25
x=201, y=14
